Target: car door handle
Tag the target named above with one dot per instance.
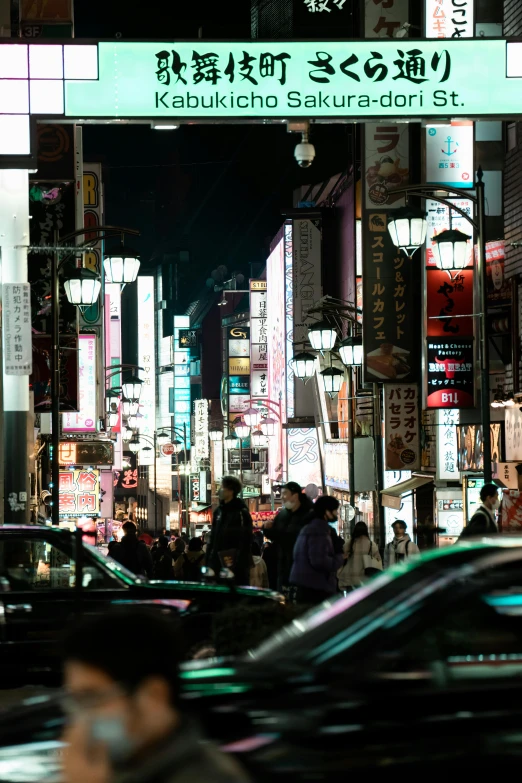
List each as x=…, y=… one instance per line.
x=14, y=608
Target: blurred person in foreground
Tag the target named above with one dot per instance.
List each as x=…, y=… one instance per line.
x=133, y=553
x=401, y=547
x=125, y=723
x=231, y=533
x=188, y=566
x=362, y=554
x=162, y=567
x=284, y=529
x=315, y=560
x=258, y=572
x=177, y=548
x=482, y=523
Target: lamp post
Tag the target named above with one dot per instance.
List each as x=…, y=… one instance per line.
x=267, y=425
x=82, y=290
x=449, y=251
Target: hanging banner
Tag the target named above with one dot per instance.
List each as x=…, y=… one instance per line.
x=386, y=151
x=498, y=287
x=92, y=217
x=16, y=328
x=202, y=448
x=277, y=346
x=40, y=381
x=449, y=294
x=471, y=446
x=451, y=377
x=391, y=327
x=304, y=461
x=513, y=433
x=449, y=155
x=438, y=219
x=449, y=18
x=258, y=338
x=447, y=445
x=79, y=493
x=85, y=419
x=336, y=466
x=401, y=427
x=146, y=354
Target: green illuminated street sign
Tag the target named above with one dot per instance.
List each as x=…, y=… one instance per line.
x=356, y=80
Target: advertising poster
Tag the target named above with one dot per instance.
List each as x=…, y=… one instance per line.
x=449, y=295
x=498, y=287
x=391, y=327
x=450, y=376
x=449, y=18
x=438, y=219
x=383, y=19
x=471, y=447
x=513, y=433
x=16, y=328
x=40, y=380
x=401, y=427
x=336, y=466
x=386, y=151
x=85, y=419
x=304, y=462
x=511, y=513
x=449, y=155
x=80, y=492
x=145, y=293
x=450, y=513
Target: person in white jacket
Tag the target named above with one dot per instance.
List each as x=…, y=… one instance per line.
x=402, y=547
x=258, y=572
x=358, y=548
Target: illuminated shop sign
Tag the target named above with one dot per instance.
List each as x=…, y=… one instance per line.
x=146, y=360
x=79, y=493
x=85, y=419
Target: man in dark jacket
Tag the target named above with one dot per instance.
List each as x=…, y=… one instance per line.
x=125, y=721
x=285, y=527
x=133, y=553
x=231, y=534
x=482, y=523
x=315, y=561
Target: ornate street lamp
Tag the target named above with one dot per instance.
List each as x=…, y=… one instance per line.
x=82, y=288
x=322, y=336
x=351, y=351
x=162, y=435
x=135, y=443
x=408, y=228
x=332, y=380
x=133, y=422
x=259, y=439
x=303, y=365
x=215, y=435
x=178, y=446
x=121, y=266
x=128, y=407
x=231, y=441
x=268, y=426
x=252, y=417
x=241, y=428
x=450, y=250
x=132, y=388
x=126, y=433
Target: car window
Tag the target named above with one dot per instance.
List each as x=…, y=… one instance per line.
x=35, y=564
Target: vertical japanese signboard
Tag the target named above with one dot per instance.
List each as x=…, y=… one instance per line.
x=239, y=372
x=449, y=155
x=258, y=339
x=146, y=355
x=277, y=344
x=180, y=398
x=450, y=376
x=92, y=217
x=449, y=297
x=306, y=291
x=382, y=18
x=390, y=325
x=447, y=445
x=386, y=152
x=201, y=429
x=16, y=328
x=79, y=493
x=401, y=427
x=449, y=18
x=85, y=419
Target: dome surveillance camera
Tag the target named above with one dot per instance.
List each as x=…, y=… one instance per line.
x=304, y=154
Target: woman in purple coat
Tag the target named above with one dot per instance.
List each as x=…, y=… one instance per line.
x=315, y=561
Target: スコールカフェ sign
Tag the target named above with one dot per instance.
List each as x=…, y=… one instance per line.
x=360, y=79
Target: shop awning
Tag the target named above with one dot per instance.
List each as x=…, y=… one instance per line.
x=197, y=508
x=391, y=497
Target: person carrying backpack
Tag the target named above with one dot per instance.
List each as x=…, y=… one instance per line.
x=402, y=547
x=188, y=566
x=163, y=567
x=132, y=553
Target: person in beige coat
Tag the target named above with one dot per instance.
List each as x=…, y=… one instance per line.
x=358, y=548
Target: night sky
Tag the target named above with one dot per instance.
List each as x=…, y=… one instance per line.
x=216, y=191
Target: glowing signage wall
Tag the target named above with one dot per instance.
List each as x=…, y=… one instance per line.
x=80, y=493
x=275, y=278
x=180, y=404
x=145, y=289
x=85, y=419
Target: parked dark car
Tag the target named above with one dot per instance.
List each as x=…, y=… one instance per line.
x=48, y=575
x=421, y=669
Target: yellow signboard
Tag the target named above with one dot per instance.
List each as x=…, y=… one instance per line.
x=258, y=285
x=239, y=365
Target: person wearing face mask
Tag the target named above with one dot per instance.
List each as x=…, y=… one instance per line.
x=124, y=718
x=283, y=530
x=315, y=560
x=482, y=523
x=402, y=547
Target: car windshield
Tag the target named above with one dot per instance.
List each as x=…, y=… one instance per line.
x=117, y=570
x=360, y=610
